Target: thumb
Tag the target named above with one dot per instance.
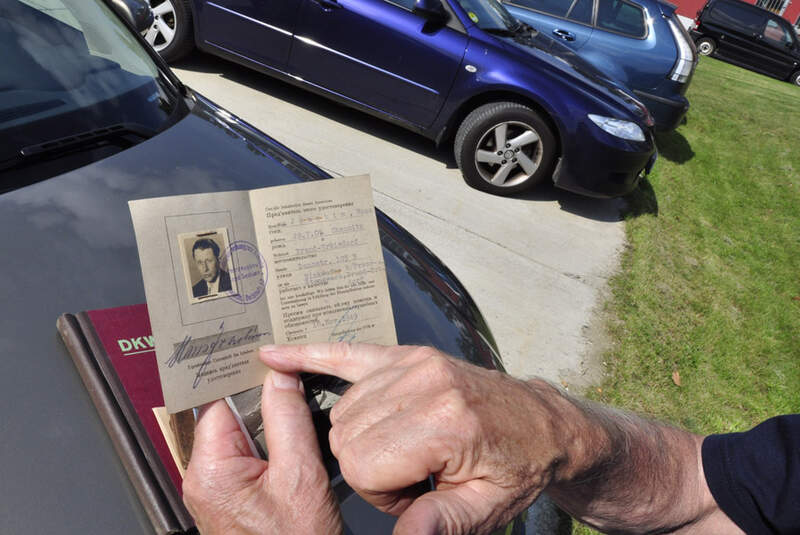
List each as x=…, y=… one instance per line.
x=288, y=428
x=457, y=510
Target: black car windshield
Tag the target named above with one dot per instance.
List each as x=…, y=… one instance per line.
x=489, y=14
x=74, y=79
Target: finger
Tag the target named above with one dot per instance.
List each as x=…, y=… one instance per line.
x=395, y=503
x=221, y=462
x=459, y=510
x=288, y=429
x=369, y=412
x=394, y=388
x=389, y=456
x=351, y=362
x=217, y=435
x=371, y=387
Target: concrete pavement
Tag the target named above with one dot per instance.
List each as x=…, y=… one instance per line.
x=536, y=264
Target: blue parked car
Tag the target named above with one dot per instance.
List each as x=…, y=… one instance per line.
x=518, y=107
x=641, y=43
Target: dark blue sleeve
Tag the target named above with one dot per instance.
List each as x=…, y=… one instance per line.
x=755, y=476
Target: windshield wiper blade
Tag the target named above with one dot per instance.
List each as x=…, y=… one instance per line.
x=85, y=139
x=523, y=28
x=54, y=148
x=504, y=32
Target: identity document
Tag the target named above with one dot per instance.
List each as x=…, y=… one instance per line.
x=225, y=273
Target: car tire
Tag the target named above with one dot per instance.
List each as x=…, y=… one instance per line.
x=706, y=46
x=795, y=78
x=172, y=33
x=525, y=157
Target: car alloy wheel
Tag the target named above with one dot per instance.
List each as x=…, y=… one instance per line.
x=504, y=147
x=705, y=47
x=508, y=154
x=171, y=34
x=161, y=33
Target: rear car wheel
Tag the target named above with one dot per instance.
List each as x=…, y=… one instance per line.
x=706, y=46
x=795, y=78
x=504, y=148
x=171, y=33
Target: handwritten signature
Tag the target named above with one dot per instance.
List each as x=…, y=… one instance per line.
x=190, y=348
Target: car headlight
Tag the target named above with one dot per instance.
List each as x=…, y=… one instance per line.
x=618, y=127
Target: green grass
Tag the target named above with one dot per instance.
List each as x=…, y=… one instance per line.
x=710, y=282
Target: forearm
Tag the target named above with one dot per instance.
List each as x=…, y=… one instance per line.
x=624, y=474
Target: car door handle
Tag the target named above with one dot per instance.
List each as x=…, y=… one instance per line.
x=564, y=34
x=328, y=5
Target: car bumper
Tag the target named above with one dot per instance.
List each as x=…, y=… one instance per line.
x=606, y=167
x=667, y=112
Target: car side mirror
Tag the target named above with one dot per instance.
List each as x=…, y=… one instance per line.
x=136, y=12
x=431, y=10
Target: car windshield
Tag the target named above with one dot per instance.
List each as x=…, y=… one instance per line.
x=489, y=15
x=74, y=78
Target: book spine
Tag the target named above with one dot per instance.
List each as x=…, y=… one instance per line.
x=129, y=412
x=141, y=476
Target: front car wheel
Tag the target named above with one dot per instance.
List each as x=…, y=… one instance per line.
x=171, y=34
x=504, y=148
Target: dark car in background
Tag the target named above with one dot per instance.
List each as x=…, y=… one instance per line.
x=640, y=43
x=518, y=107
x=748, y=36
x=90, y=118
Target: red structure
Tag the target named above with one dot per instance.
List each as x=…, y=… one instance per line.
x=788, y=9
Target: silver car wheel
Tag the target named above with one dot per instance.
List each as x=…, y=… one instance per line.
x=508, y=154
x=162, y=32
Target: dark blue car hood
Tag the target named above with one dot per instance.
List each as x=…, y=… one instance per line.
x=563, y=59
x=83, y=215
x=70, y=246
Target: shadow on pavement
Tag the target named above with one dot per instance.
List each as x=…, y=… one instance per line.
x=674, y=147
x=302, y=98
x=605, y=210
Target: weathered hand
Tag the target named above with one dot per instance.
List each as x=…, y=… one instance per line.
x=228, y=491
x=489, y=440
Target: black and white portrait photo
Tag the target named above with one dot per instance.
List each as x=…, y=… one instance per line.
x=205, y=269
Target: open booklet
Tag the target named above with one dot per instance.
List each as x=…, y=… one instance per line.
x=225, y=273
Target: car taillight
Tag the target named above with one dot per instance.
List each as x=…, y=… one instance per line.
x=684, y=65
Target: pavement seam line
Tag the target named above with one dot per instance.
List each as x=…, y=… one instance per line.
x=573, y=276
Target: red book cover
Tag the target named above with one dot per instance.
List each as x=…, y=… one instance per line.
x=126, y=337
x=113, y=350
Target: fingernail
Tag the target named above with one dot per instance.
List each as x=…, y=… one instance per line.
x=285, y=381
x=268, y=349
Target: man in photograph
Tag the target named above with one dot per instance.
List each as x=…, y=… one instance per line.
x=205, y=253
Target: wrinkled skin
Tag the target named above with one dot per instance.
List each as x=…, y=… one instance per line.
x=492, y=444
x=228, y=491
x=414, y=412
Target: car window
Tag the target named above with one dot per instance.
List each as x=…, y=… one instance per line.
x=581, y=11
x=558, y=8
x=621, y=17
x=736, y=16
x=776, y=33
